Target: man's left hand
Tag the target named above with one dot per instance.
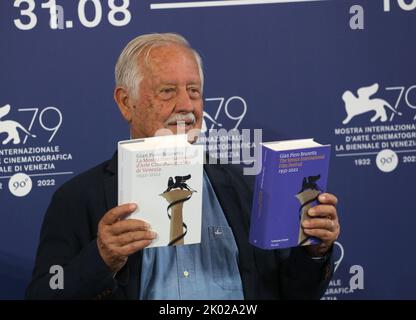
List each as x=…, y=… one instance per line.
x=324, y=224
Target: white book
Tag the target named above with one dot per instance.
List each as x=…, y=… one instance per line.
x=163, y=176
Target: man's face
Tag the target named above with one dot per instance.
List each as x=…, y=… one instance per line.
x=170, y=93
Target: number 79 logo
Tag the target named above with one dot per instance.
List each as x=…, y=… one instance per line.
x=41, y=116
x=13, y=128
x=224, y=106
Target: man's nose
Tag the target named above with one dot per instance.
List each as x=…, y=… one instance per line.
x=184, y=102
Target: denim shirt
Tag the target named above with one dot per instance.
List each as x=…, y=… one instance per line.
x=207, y=270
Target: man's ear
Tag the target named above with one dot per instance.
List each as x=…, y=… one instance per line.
x=124, y=103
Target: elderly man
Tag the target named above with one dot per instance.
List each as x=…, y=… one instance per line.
x=159, y=84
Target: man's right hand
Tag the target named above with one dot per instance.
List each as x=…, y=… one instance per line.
x=118, y=238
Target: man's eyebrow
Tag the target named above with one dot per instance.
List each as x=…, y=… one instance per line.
x=194, y=83
x=167, y=83
x=174, y=83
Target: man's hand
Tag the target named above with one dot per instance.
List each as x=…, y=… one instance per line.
x=324, y=224
x=117, y=238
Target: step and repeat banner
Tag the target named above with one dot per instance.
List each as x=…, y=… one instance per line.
x=340, y=71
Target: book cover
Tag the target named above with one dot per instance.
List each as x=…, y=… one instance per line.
x=293, y=174
x=163, y=175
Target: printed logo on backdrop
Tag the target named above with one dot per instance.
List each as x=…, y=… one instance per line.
x=347, y=279
x=357, y=12
x=379, y=127
x=90, y=12
x=28, y=156
x=221, y=131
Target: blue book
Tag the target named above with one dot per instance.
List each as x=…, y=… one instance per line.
x=293, y=174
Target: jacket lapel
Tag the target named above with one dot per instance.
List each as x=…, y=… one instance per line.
x=110, y=183
x=128, y=277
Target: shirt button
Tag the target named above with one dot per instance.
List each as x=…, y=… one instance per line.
x=186, y=274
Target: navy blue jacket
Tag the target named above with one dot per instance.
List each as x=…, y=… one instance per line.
x=69, y=231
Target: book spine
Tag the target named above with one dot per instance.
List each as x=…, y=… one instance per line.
x=123, y=165
x=120, y=174
x=260, y=204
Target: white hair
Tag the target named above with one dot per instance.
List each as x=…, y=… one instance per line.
x=128, y=73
